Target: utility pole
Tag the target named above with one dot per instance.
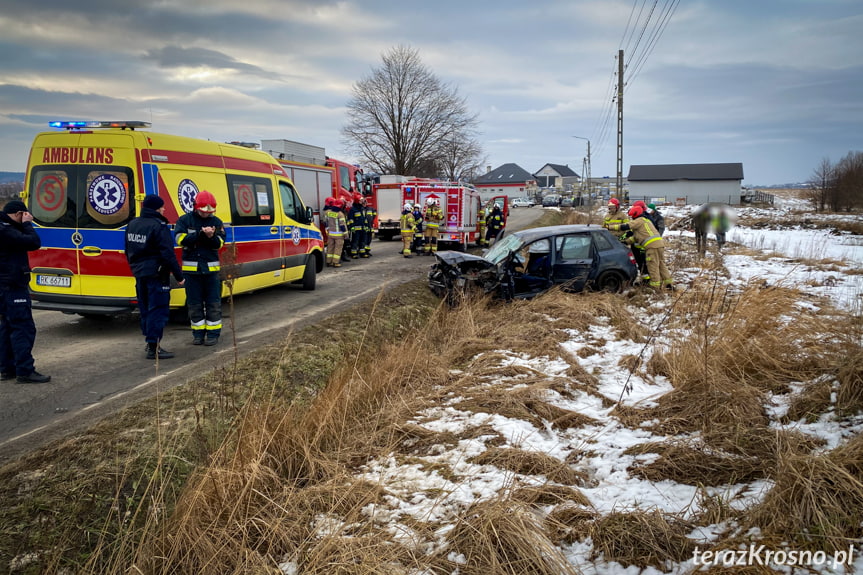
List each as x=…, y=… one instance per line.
x=587, y=174
x=620, y=127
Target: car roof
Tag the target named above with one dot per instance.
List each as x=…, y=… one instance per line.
x=533, y=234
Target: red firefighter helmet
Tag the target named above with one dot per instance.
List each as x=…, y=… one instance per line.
x=339, y=203
x=329, y=201
x=635, y=211
x=640, y=204
x=205, y=201
x=357, y=198
x=614, y=202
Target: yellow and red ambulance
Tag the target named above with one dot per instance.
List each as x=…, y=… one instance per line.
x=87, y=180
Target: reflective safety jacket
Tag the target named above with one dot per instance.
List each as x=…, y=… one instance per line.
x=433, y=217
x=495, y=220
x=644, y=233
x=335, y=222
x=200, y=253
x=369, y=215
x=356, y=217
x=616, y=216
x=407, y=222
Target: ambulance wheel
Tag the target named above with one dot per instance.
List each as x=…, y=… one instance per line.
x=309, y=275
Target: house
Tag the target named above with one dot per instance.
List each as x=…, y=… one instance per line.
x=556, y=176
x=686, y=183
x=509, y=179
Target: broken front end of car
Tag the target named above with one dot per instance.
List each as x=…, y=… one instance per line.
x=456, y=276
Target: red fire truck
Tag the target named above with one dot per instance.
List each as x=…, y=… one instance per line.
x=459, y=201
x=315, y=175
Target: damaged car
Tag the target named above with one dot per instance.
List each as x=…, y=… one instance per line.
x=529, y=262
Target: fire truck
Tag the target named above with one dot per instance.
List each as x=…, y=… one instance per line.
x=315, y=175
x=459, y=201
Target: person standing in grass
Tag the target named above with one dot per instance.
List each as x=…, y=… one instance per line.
x=645, y=235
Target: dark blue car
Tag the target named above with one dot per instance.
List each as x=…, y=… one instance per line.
x=529, y=262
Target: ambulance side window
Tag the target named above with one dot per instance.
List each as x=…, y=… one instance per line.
x=291, y=203
x=251, y=200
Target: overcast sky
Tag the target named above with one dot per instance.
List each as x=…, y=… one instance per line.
x=774, y=84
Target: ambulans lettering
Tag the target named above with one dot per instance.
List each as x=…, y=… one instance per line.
x=107, y=194
x=186, y=193
x=78, y=156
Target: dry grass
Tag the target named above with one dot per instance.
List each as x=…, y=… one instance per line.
x=641, y=538
x=530, y=463
x=505, y=538
x=816, y=500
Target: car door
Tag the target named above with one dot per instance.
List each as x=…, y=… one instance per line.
x=573, y=261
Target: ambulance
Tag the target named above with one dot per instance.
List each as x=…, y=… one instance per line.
x=86, y=181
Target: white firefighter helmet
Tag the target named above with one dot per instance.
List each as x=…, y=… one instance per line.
x=408, y=207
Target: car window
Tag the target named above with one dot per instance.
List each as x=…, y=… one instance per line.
x=602, y=242
x=501, y=249
x=576, y=247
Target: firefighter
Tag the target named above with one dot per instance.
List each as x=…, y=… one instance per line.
x=356, y=225
x=417, y=246
x=494, y=224
x=614, y=215
x=480, y=226
x=336, y=226
x=368, y=228
x=645, y=235
x=432, y=220
x=407, y=225
x=201, y=235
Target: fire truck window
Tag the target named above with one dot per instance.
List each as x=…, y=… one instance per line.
x=345, y=177
x=251, y=201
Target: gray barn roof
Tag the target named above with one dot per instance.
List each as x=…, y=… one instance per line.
x=670, y=172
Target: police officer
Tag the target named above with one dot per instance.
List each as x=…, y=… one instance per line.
x=17, y=329
x=150, y=253
x=201, y=235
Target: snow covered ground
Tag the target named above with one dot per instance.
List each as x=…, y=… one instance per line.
x=419, y=492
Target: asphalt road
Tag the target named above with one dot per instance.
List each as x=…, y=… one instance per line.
x=98, y=367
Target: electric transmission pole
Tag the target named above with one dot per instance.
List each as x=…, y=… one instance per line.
x=620, y=127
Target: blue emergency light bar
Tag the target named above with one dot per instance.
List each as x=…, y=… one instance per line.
x=75, y=125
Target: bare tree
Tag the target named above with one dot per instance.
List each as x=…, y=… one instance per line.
x=848, y=187
x=461, y=158
x=401, y=117
x=821, y=184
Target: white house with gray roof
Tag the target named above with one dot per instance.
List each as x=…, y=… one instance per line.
x=509, y=179
x=686, y=183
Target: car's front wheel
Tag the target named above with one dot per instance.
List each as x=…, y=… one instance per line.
x=610, y=281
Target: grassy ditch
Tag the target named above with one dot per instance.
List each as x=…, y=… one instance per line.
x=334, y=459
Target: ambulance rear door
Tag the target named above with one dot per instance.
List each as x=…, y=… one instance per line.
x=81, y=188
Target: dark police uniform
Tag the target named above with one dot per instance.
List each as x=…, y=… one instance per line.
x=150, y=253
x=17, y=329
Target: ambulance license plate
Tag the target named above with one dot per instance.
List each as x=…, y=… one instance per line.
x=53, y=281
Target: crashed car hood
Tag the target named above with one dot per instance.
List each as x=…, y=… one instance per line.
x=456, y=259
